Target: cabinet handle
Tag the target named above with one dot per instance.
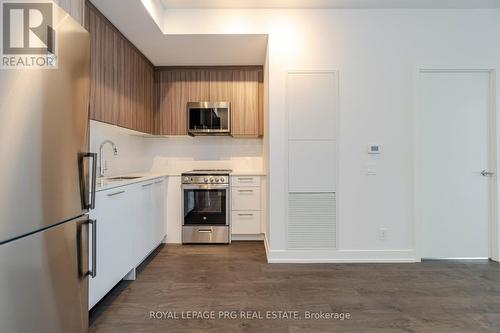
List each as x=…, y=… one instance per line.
x=246, y=180
x=116, y=193
x=146, y=185
x=205, y=231
x=246, y=214
x=245, y=190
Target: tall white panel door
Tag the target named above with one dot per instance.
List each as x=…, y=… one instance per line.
x=453, y=148
x=312, y=131
x=312, y=109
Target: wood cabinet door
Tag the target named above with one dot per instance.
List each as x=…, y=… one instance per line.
x=175, y=89
x=220, y=86
x=245, y=106
x=122, y=79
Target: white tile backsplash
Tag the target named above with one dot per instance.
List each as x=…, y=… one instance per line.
x=131, y=156
x=139, y=153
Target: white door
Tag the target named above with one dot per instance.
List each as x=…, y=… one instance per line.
x=453, y=197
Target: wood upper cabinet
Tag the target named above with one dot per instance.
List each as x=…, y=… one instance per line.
x=241, y=86
x=246, y=106
x=173, y=90
x=122, y=79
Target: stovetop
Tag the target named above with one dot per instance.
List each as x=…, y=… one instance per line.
x=206, y=176
x=208, y=172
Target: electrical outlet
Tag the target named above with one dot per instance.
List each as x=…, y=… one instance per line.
x=382, y=234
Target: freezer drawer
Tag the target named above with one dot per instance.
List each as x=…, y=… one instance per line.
x=43, y=280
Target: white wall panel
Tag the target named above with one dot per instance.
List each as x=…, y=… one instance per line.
x=312, y=166
x=312, y=105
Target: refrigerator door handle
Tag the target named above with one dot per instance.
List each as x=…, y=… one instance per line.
x=93, y=184
x=93, y=272
x=83, y=239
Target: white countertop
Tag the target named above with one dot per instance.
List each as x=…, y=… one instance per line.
x=104, y=184
x=233, y=173
x=248, y=173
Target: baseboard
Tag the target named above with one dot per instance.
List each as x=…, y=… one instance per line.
x=341, y=256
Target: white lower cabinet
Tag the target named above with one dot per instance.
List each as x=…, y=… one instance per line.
x=113, y=212
x=245, y=222
x=159, y=200
x=245, y=205
x=245, y=198
x=150, y=223
x=144, y=221
x=130, y=224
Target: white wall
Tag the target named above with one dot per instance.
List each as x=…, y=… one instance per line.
x=376, y=53
x=174, y=155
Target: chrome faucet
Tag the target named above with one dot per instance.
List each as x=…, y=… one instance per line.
x=102, y=163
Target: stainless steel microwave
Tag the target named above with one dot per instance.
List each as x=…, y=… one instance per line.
x=209, y=118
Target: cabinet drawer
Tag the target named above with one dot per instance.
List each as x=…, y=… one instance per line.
x=238, y=181
x=245, y=223
x=245, y=198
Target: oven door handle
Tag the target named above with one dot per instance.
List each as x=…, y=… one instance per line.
x=205, y=231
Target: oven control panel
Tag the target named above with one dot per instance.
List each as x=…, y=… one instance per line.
x=205, y=179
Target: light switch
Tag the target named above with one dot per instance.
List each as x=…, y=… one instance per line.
x=371, y=169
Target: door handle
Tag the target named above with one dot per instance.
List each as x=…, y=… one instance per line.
x=93, y=271
x=83, y=185
x=485, y=173
x=205, y=231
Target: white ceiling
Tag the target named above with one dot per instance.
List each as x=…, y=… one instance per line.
x=330, y=3
x=134, y=21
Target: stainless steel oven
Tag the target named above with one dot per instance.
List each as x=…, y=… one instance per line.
x=205, y=207
x=208, y=118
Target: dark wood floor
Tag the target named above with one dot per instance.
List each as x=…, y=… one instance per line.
x=434, y=297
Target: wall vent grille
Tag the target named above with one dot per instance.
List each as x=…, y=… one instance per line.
x=312, y=221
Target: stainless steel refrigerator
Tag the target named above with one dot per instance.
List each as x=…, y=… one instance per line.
x=46, y=190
